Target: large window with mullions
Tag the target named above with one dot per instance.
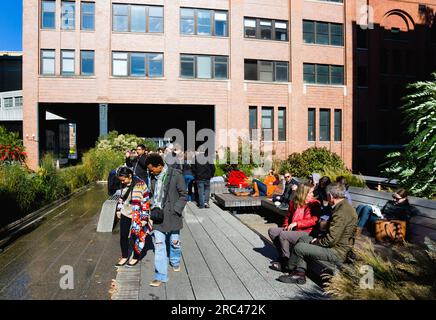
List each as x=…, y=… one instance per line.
x=264, y=70
x=204, y=67
x=323, y=74
x=265, y=29
x=203, y=22
x=137, y=18
x=326, y=33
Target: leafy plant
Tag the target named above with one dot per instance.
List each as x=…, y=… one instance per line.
x=415, y=168
x=352, y=179
x=11, y=147
x=99, y=162
x=312, y=160
x=119, y=142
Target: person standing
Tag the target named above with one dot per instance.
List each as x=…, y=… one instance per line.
x=203, y=171
x=137, y=162
x=133, y=211
x=167, y=203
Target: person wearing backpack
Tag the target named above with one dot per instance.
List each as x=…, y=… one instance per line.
x=133, y=211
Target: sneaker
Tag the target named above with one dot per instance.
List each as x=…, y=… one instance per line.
x=155, y=283
x=296, y=277
x=176, y=268
x=207, y=206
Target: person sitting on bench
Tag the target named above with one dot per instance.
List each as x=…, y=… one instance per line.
x=291, y=185
x=334, y=247
x=397, y=209
x=267, y=187
x=302, y=216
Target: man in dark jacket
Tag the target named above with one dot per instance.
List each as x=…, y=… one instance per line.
x=203, y=171
x=137, y=162
x=169, y=198
x=334, y=246
x=291, y=185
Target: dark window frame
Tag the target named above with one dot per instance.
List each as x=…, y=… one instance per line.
x=311, y=126
x=129, y=18
x=274, y=70
x=252, y=109
x=146, y=64
x=281, y=131
x=330, y=77
x=269, y=108
x=258, y=28
x=74, y=14
x=212, y=22
x=81, y=63
x=325, y=126
x=63, y=73
x=83, y=13
x=52, y=12
x=338, y=125
x=315, y=33
x=212, y=65
x=42, y=61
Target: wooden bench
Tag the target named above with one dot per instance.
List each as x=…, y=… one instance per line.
x=269, y=205
x=230, y=201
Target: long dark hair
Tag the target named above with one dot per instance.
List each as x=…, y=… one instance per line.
x=124, y=172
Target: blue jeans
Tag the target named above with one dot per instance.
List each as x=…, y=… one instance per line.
x=203, y=192
x=261, y=186
x=160, y=241
x=189, y=179
x=365, y=215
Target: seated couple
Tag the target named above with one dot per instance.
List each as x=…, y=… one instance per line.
x=269, y=185
x=397, y=209
x=300, y=240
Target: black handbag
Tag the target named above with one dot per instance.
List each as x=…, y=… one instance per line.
x=157, y=215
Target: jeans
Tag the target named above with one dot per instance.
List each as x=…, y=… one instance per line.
x=365, y=215
x=125, y=224
x=203, y=192
x=160, y=241
x=189, y=179
x=261, y=186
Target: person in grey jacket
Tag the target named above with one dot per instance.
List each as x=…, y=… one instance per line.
x=168, y=200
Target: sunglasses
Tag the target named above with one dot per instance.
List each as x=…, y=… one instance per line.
x=287, y=177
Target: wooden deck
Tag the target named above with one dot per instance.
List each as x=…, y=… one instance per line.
x=221, y=259
x=228, y=200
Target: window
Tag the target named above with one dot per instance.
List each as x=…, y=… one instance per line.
x=323, y=33
x=362, y=37
x=221, y=24
x=266, y=71
x=155, y=65
x=362, y=76
x=18, y=102
x=187, y=66
x=221, y=68
x=282, y=124
x=48, y=14
x=204, y=19
x=119, y=64
x=87, y=63
x=203, y=22
x=266, y=29
x=250, y=28
x=267, y=123
x=204, y=67
x=155, y=19
x=253, y=122
x=338, y=125
x=120, y=17
x=324, y=125
x=137, y=64
x=67, y=67
x=88, y=15
x=311, y=128
x=323, y=74
x=187, y=21
x=269, y=71
x=68, y=15
x=137, y=18
x=8, y=103
x=47, y=62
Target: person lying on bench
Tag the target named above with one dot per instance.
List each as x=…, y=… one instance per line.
x=267, y=187
x=334, y=247
x=397, y=209
x=302, y=216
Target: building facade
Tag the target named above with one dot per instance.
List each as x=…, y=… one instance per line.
x=144, y=66
x=398, y=48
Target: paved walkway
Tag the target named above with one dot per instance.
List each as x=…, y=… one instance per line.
x=222, y=259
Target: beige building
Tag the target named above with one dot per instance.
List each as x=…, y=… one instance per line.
x=144, y=66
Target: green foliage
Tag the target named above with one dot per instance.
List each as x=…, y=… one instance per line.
x=353, y=180
x=312, y=160
x=407, y=273
x=74, y=177
x=11, y=147
x=415, y=168
x=99, y=162
x=150, y=144
x=119, y=142
x=9, y=138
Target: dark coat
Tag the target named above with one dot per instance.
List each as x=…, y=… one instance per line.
x=174, y=202
x=203, y=171
x=399, y=211
x=138, y=166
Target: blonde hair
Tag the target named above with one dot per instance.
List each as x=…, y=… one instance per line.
x=301, y=194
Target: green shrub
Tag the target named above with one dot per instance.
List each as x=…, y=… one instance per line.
x=74, y=177
x=99, y=162
x=312, y=160
x=120, y=142
x=11, y=147
x=353, y=180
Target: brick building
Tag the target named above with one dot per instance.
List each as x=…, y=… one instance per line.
x=279, y=64
x=399, y=49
